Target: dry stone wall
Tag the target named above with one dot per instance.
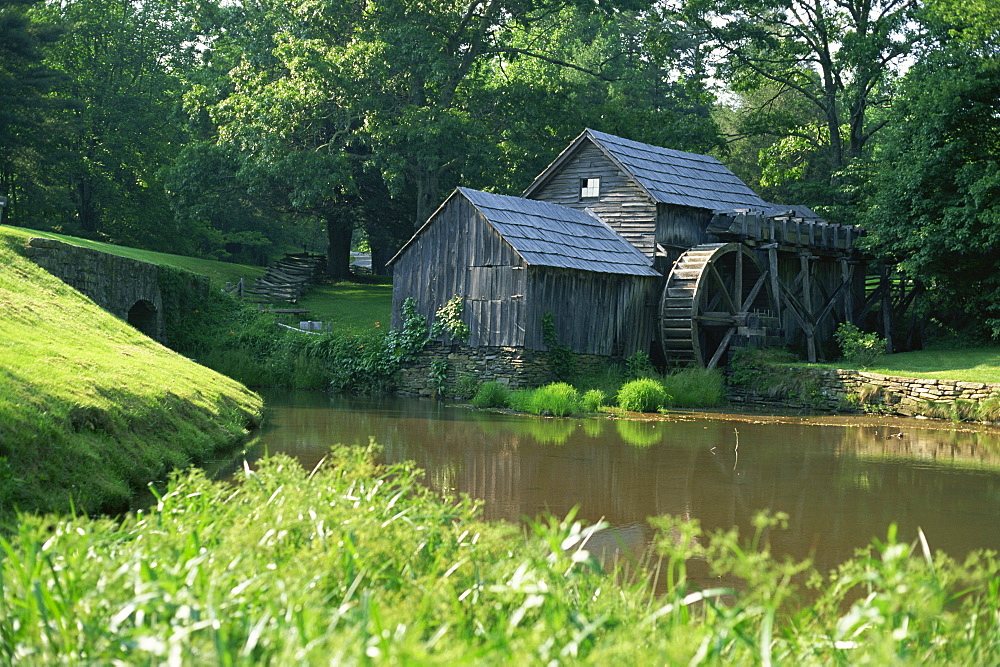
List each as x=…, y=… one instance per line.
x=515, y=367
x=827, y=389
x=126, y=288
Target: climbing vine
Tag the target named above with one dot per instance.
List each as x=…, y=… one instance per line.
x=449, y=321
x=561, y=360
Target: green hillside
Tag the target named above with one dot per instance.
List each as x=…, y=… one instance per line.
x=217, y=272
x=91, y=409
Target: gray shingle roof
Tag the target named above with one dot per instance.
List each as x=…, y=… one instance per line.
x=676, y=177
x=668, y=176
x=545, y=234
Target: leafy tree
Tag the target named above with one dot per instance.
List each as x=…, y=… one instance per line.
x=839, y=56
x=27, y=111
x=120, y=60
x=933, y=202
x=366, y=115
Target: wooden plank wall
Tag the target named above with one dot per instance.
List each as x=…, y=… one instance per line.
x=680, y=228
x=683, y=226
x=460, y=253
x=622, y=204
x=594, y=313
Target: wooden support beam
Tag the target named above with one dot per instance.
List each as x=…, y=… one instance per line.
x=887, y=309
x=847, y=275
x=738, y=289
x=806, y=272
x=772, y=260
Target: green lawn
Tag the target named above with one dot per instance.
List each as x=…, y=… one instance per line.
x=355, y=307
x=979, y=364
x=218, y=272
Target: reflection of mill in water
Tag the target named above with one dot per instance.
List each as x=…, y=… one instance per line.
x=840, y=485
x=522, y=469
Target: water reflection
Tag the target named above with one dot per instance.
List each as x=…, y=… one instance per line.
x=840, y=484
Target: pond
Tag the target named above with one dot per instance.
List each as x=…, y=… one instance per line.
x=841, y=481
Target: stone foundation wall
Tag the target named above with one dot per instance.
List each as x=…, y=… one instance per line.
x=512, y=366
x=826, y=389
x=115, y=283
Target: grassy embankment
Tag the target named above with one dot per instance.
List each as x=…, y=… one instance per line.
x=976, y=364
x=218, y=272
x=91, y=409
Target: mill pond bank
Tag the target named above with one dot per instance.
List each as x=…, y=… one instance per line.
x=91, y=410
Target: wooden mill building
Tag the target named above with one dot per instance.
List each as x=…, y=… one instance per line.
x=635, y=247
x=661, y=200
x=515, y=259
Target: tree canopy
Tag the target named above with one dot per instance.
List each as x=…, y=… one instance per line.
x=243, y=129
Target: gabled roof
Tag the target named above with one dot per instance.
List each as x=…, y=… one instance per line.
x=545, y=234
x=666, y=175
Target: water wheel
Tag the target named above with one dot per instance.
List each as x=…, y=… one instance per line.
x=717, y=295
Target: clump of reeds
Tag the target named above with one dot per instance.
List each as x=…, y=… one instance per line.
x=642, y=395
x=695, y=387
x=491, y=395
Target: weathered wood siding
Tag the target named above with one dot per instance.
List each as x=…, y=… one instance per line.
x=460, y=253
x=683, y=226
x=622, y=204
x=594, y=313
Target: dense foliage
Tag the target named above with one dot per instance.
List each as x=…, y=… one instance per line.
x=355, y=562
x=240, y=130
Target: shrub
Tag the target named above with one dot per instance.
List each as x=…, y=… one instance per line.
x=561, y=358
x=695, y=387
x=642, y=395
x=558, y=399
x=861, y=349
x=593, y=400
x=491, y=395
x=466, y=386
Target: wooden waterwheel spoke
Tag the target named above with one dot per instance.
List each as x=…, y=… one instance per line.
x=713, y=362
x=754, y=292
x=723, y=289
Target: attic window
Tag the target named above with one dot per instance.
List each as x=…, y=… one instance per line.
x=590, y=188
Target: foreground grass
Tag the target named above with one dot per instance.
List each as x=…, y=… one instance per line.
x=91, y=409
x=218, y=272
x=353, y=563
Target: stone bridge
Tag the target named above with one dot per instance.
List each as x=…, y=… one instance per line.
x=126, y=288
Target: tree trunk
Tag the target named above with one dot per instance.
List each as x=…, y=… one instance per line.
x=85, y=209
x=427, y=192
x=338, y=252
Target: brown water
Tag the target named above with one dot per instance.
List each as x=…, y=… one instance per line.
x=842, y=482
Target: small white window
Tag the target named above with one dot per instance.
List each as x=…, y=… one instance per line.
x=590, y=187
